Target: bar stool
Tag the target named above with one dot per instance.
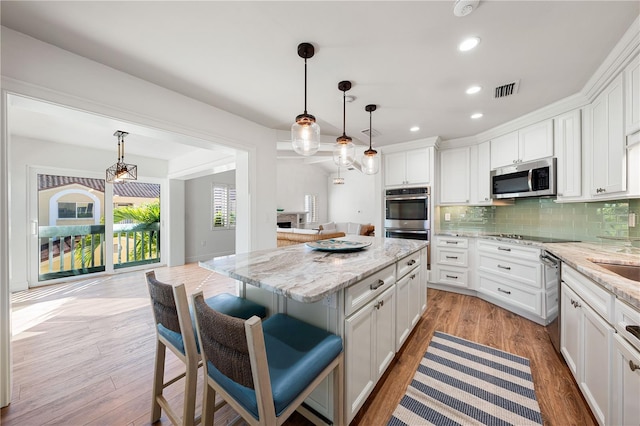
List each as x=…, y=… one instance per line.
x=265, y=370
x=175, y=329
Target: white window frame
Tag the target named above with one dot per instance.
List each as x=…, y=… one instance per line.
x=225, y=203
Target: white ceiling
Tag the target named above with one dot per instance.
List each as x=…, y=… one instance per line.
x=241, y=57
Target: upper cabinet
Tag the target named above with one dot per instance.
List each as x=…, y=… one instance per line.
x=632, y=91
x=527, y=144
x=454, y=176
x=412, y=167
x=480, y=185
x=608, y=167
x=568, y=143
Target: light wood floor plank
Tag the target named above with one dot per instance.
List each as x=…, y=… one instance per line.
x=83, y=353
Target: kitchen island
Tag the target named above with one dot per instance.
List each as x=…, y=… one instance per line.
x=372, y=298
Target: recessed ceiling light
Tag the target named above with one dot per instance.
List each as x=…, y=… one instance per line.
x=476, y=115
x=414, y=129
x=473, y=89
x=468, y=44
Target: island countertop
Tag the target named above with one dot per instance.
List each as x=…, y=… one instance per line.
x=307, y=275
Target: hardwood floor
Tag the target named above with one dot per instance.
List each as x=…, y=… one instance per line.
x=83, y=353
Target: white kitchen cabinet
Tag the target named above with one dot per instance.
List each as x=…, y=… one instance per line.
x=451, y=256
x=568, y=143
x=586, y=337
x=632, y=96
x=454, y=176
x=410, y=296
x=370, y=348
x=608, y=167
x=625, y=409
x=412, y=167
x=527, y=144
x=480, y=169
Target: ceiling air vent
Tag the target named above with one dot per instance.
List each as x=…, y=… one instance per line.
x=374, y=132
x=506, y=90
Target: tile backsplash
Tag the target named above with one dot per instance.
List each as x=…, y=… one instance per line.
x=545, y=218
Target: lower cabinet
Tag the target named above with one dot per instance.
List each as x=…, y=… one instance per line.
x=625, y=409
x=410, y=295
x=370, y=348
x=586, y=339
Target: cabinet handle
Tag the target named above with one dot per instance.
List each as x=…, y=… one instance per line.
x=452, y=276
x=508, y=268
x=379, y=304
x=376, y=285
x=504, y=249
x=412, y=276
x=411, y=262
x=600, y=190
x=452, y=242
x=633, y=366
x=451, y=257
x=575, y=303
x=504, y=291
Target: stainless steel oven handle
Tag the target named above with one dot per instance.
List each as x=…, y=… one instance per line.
x=548, y=261
x=404, y=197
x=406, y=231
x=529, y=179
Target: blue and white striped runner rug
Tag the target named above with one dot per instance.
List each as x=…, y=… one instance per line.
x=459, y=382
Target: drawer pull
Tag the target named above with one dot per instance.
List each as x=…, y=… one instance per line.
x=508, y=268
x=452, y=242
x=451, y=257
x=452, y=276
x=504, y=249
x=634, y=330
x=377, y=285
x=411, y=262
x=633, y=366
x=504, y=291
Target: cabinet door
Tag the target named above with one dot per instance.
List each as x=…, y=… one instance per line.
x=568, y=142
x=632, y=98
x=481, y=180
x=454, y=176
x=403, y=320
x=416, y=298
x=360, y=360
x=570, y=329
x=395, y=168
x=504, y=150
x=596, y=366
x=536, y=141
x=418, y=166
x=607, y=127
x=625, y=409
x=385, y=331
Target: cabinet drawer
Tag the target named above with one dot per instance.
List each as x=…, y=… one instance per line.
x=627, y=316
x=359, y=294
x=528, y=300
x=453, y=257
x=595, y=296
x=407, y=264
x=452, y=276
x=511, y=251
x=455, y=242
x=522, y=271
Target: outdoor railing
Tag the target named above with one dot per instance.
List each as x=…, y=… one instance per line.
x=80, y=249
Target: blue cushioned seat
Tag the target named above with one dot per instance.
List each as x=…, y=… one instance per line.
x=297, y=353
x=225, y=303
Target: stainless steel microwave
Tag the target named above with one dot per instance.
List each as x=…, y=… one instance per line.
x=530, y=179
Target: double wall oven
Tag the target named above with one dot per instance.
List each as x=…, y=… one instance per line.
x=407, y=213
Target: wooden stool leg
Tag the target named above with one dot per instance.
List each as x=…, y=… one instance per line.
x=190, y=387
x=338, y=393
x=158, y=381
x=208, y=404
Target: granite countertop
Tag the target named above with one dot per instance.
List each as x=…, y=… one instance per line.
x=578, y=255
x=306, y=275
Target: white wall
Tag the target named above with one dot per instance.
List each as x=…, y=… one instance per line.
x=202, y=242
x=356, y=200
x=295, y=180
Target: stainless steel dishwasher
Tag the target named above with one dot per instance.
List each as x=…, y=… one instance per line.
x=552, y=277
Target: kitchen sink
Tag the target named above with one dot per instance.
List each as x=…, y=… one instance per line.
x=631, y=272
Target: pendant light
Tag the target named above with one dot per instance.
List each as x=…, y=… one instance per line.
x=121, y=171
x=370, y=159
x=344, y=151
x=338, y=180
x=305, y=132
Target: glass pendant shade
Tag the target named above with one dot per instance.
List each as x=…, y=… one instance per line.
x=305, y=135
x=370, y=162
x=344, y=152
